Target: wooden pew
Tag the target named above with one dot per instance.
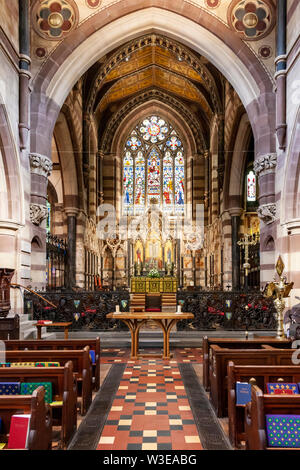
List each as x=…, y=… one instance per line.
x=65, y=344
x=237, y=343
x=81, y=365
x=262, y=375
x=218, y=368
x=40, y=433
x=255, y=415
x=64, y=388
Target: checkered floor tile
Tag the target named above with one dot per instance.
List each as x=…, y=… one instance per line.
x=151, y=410
x=115, y=356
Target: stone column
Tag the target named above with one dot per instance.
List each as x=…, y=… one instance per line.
x=280, y=75
x=41, y=167
x=71, y=214
x=265, y=169
x=235, y=214
x=24, y=72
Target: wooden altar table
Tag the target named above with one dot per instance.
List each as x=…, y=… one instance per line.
x=135, y=320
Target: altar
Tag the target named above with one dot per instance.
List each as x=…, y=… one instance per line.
x=148, y=285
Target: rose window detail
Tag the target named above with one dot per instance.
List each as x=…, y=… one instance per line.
x=154, y=129
x=134, y=143
x=55, y=19
x=251, y=19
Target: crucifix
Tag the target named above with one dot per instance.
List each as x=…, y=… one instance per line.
x=245, y=242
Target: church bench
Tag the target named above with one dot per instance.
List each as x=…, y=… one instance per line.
x=40, y=434
x=218, y=368
x=64, y=389
x=262, y=374
x=81, y=366
x=65, y=344
x=236, y=343
x=255, y=415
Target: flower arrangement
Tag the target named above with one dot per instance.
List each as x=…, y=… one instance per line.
x=153, y=273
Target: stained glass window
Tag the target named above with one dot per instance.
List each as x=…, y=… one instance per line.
x=128, y=183
x=48, y=221
x=153, y=180
x=251, y=186
x=153, y=167
x=179, y=182
x=168, y=190
x=139, y=198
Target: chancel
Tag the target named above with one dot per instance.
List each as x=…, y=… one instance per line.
x=149, y=226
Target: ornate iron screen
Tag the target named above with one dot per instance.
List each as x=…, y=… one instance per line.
x=56, y=261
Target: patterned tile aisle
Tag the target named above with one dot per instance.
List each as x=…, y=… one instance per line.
x=150, y=410
x=115, y=356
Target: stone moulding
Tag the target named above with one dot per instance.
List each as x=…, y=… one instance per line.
x=38, y=213
x=267, y=213
x=40, y=165
x=265, y=164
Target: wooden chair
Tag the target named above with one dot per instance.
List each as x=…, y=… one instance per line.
x=153, y=303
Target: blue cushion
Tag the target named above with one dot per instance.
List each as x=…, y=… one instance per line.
x=9, y=388
x=283, y=430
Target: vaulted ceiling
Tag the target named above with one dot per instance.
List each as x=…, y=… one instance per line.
x=157, y=64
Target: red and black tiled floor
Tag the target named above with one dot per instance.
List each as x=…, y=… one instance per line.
x=154, y=405
x=151, y=410
x=113, y=356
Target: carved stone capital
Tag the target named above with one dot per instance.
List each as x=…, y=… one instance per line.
x=38, y=213
x=267, y=213
x=40, y=165
x=265, y=164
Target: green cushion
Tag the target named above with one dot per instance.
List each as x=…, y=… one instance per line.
x=27, y=388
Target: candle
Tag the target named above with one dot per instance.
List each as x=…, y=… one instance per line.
x=117, y=309
x=178, y=308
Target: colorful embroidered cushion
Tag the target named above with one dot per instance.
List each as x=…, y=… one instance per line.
x=280, y=388
x=27, y=388
x=22, y=364
x=283, y=430
x=47, y=364
x=9, y=388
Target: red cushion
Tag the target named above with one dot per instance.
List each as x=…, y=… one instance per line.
x=152, y=310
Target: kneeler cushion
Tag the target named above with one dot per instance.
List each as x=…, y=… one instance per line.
x=283, y=430
x=47, y=364
x=9, y=388
x=27, y=388
x=280, y=388
x=22, y=364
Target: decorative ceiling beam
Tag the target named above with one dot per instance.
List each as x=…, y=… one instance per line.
x=182, y=53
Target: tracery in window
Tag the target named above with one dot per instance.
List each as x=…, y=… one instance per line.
x=153, y=168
